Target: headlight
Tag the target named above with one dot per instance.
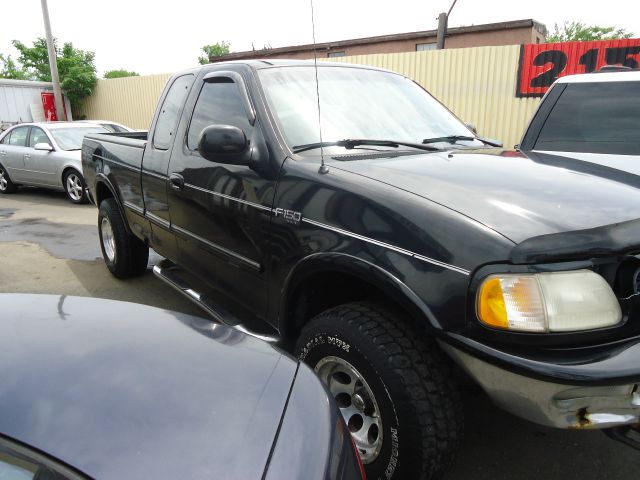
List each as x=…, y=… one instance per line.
x=548, y=302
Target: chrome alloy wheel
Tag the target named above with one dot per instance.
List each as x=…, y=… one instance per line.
x=357, y=404
x=74, y=187
x=108, y=240
x=3, y=180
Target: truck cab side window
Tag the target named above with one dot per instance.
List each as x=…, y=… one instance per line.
x=170, y=112
x=219, y=103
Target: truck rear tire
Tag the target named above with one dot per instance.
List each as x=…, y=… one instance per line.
x=392, y=385
x=125, y=255
x=6, y=185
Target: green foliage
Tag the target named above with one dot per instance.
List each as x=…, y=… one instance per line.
x=120, y=73
x=215, y=50
x=9, y=69
x=576, y=31
x=76, y=69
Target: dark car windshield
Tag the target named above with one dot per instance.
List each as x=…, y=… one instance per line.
x=355, y=103
x=70, y=138
x=594, y=118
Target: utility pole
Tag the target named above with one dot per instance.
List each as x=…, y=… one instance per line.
x=53, y=63
x=443, y=20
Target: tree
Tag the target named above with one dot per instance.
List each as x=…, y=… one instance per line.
x=75, y=67
x=576, y=31
x=215, y=50
x=120, y=73
x=9, y=69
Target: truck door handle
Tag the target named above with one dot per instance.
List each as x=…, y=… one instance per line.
x=27, y=156
x=3, y=153
x=177, y=181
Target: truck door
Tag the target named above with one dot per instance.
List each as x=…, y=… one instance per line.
x=220, y=212
x=156, y=163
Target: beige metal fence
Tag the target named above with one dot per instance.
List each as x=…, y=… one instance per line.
x=477, y=84
x=130, y=101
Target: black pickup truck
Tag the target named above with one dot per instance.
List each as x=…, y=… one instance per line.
x=345, y=213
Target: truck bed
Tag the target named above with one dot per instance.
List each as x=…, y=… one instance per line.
x=120, y=154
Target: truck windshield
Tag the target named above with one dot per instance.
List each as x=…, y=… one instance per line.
x=71, y=138
x=355, y=103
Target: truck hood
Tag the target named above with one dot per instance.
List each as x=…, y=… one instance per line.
x=520, y=195
x=121, y=390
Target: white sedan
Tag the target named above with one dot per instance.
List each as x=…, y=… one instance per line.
x=45, y=154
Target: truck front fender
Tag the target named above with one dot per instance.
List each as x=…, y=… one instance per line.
x=361, y=272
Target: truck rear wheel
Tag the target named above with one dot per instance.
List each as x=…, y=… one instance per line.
x=392, y=386
x=125, y=255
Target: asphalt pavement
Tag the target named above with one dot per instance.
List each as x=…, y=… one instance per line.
x=48, y=245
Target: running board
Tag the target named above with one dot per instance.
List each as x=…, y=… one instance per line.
x=169, y=272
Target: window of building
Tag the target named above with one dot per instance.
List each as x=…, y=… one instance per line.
x=422, y=47
x=336, y=54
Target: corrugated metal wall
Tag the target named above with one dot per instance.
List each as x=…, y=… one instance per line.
x=130, y=101
x=18, y=97
x=477, y=84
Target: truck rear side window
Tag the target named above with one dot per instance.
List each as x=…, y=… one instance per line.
x=170, y=112
x=219, y=103
x=594, y=118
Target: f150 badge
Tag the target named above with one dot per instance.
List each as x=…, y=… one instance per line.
x=290, y=216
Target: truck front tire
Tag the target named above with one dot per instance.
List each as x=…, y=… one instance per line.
x=392, y=386
x=125, y=255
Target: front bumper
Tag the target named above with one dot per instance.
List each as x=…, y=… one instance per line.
x=602, y=393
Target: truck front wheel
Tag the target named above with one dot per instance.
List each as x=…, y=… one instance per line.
x=391, y=385
x=125, y=255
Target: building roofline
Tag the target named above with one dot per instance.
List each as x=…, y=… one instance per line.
x=269, y=52
x=25, y=83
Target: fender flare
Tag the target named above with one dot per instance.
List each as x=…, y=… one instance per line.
x=361, y=269
x=101, y=178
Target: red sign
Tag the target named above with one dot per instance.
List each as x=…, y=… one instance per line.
x=49, y=106
x=541, y=64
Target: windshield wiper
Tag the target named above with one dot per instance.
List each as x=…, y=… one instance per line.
x=457, y=138
x=350, y=143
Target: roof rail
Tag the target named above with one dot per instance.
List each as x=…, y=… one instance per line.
x=614, y=68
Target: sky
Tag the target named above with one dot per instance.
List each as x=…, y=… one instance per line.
x=161, y=37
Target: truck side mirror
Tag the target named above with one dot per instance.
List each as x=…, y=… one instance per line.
x=224, y=144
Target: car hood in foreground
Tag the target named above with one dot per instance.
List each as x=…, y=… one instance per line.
x=518, y=195
x=121, y=390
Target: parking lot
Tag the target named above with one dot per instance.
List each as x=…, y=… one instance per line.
x=48, y=245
